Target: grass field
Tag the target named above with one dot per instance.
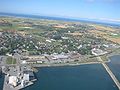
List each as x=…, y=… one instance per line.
x=115, y=36
x=11, y=60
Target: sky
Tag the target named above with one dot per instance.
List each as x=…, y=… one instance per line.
x=92, y=9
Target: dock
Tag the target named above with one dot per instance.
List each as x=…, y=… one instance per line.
x=0, y=71
x=6, y=86
x=110, y=72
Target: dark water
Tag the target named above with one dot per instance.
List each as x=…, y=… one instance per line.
x=84, y=77
x=1, y=82
x=114, y=65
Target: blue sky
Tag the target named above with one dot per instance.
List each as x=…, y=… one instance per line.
x=92, y=9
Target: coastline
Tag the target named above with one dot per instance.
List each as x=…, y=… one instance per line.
x=60, y=65
x=64, y=65
x=107, y=60
x=47, y=74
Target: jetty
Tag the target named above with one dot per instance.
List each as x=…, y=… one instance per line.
x=6, y=86
x=110, y=72
x=0, y=71
x=18, y=78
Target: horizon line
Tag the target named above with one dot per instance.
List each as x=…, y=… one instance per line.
x=101, y=20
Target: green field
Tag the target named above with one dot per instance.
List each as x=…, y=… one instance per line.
x=115, y=36
x=11, y=60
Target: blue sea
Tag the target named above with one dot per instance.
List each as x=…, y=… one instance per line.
x=114, y=65
x=82, y=77
x=1, y=81
x=85, y=20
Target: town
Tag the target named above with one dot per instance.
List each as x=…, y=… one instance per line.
x=29, y=43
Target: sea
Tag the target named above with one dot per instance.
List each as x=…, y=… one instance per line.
x=114, y=65
x=84, y=20
x=1, y=81
x=81, y=77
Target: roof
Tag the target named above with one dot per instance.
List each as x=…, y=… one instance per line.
x=29, y=72
x=13, y=80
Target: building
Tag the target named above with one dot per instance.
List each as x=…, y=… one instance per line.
x=35, y=57
x=59, y=56
x=13, y=80
x=74, y=55
x=28, y=75
x=98, y=52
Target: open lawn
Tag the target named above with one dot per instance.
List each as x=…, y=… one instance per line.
x=11, y=60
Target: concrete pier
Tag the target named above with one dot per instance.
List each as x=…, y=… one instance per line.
x=6, y=86
x=0, y=71
x=110, y=73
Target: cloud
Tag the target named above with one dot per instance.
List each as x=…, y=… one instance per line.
x=106, y=19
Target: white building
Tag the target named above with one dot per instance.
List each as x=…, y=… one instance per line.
x=60, y=56
x=22, y=83
x=13, y=80
x=26, y=77
x=98, y=52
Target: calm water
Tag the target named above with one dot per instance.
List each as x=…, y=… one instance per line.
x=84, y=77
x=62, y=19
x=1, y=82
x=115, y=65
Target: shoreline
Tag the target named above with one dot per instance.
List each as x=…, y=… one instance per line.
x=72, y=64
x=60, y=65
